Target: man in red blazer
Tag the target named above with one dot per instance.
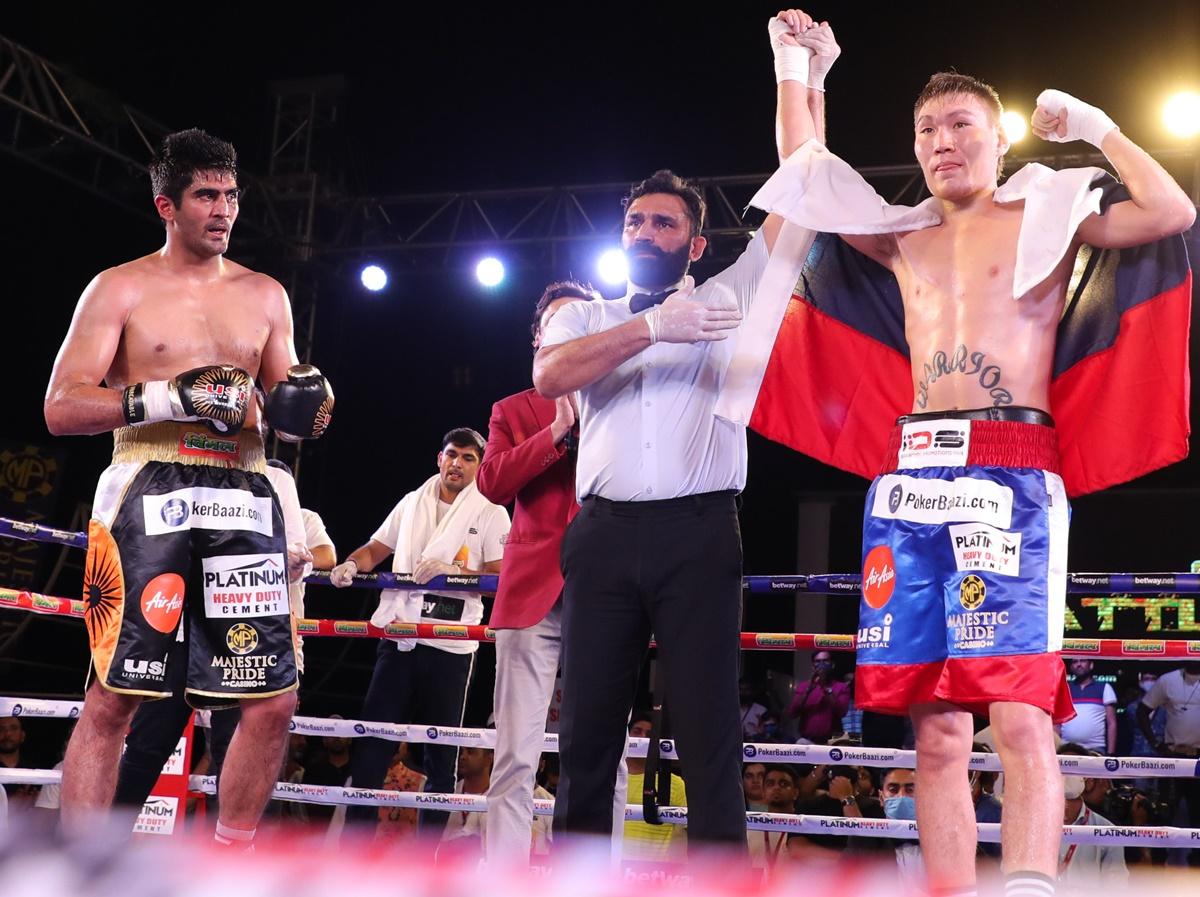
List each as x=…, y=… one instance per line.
x=528, y=460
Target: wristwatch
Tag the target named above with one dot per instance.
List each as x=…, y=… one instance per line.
x=847, y=801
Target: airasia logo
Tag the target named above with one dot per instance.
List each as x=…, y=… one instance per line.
x=878, y=576
x=162, y=601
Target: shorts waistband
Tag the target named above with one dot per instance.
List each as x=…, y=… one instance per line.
x=1020, y=414
x=664, y=505
x=993, y=443
x=189, y=443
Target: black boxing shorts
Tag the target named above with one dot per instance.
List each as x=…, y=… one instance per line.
x=186, y=543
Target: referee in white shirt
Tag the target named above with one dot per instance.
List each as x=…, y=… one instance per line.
x=656, y=547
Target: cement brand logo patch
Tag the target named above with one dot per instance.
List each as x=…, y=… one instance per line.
x=972, y=592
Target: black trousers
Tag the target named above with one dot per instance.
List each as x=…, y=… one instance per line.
x=155, y=730
x=424, y=685
x=672, y=568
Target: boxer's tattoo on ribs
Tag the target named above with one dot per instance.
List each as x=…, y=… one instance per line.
x=969, y=364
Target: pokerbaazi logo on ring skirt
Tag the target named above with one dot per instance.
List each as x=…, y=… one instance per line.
x=103, y=595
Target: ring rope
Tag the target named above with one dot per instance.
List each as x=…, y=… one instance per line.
x=1103, y=649
x=1152, y=836
x=816, y=583
x=1092, y=767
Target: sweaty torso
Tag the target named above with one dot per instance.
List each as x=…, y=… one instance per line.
x=175, y=323
x=971, y=345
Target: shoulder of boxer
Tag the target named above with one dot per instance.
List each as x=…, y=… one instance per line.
x=301, y=405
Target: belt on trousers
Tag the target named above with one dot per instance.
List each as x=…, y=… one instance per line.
x=1020, y=414
x=682, y=502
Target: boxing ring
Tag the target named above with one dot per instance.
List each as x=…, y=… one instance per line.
x=824, y=584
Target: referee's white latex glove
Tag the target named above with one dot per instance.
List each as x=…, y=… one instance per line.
x=825, y=51
x=1060, y=118
x=681, y=319
x=791, y=59
x=343, y=574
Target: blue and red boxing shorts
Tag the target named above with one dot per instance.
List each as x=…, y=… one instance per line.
x=964, y=566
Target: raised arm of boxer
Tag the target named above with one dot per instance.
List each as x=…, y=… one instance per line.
x=1157, y=207
x=804, y=51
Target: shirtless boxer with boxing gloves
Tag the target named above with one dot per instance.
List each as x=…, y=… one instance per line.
x=184, y=521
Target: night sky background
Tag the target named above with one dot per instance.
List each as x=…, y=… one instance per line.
x=469, y=97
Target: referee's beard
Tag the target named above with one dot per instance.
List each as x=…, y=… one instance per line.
x=656, y=269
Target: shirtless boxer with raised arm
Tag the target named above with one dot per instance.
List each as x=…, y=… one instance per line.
x=164, y=351
x=978, y=459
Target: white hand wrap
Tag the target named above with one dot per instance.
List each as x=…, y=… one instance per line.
x=791, y=63
x=1084, y=121
x=161, y=402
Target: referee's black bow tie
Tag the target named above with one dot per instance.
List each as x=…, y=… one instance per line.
x=642, y=301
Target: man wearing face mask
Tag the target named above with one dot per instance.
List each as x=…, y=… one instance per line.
x=821, y=703
x=656, y=546
x=1081, y=866
x=1095, y=722
x=898, y=791
x=1179, y=692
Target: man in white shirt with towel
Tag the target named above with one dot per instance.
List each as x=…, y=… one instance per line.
x=445, y=526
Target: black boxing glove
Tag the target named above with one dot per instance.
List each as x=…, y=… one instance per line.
x=301, y=406
x=218, y=394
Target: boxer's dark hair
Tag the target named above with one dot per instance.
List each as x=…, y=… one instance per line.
x=944, y=84
x=184, y=153
x=667, y=181
x=464, y=437
x=576, y=289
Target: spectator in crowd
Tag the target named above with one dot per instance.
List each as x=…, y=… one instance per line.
x=398, y=823
x=1139, y=746
x=462, y=837
x=1095, y=789
x=1095, y=723
x=1083, y=866
x=752, y=784
x=644, y=842
x=771, y=733
x=820, y=703
x=547, y=774
x=751, y=710
x=866, y=789
x=898, y=791
x=443, y=527
x=1178, y=692
x=839, y=798
x=13, y=755
x=780, y=788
